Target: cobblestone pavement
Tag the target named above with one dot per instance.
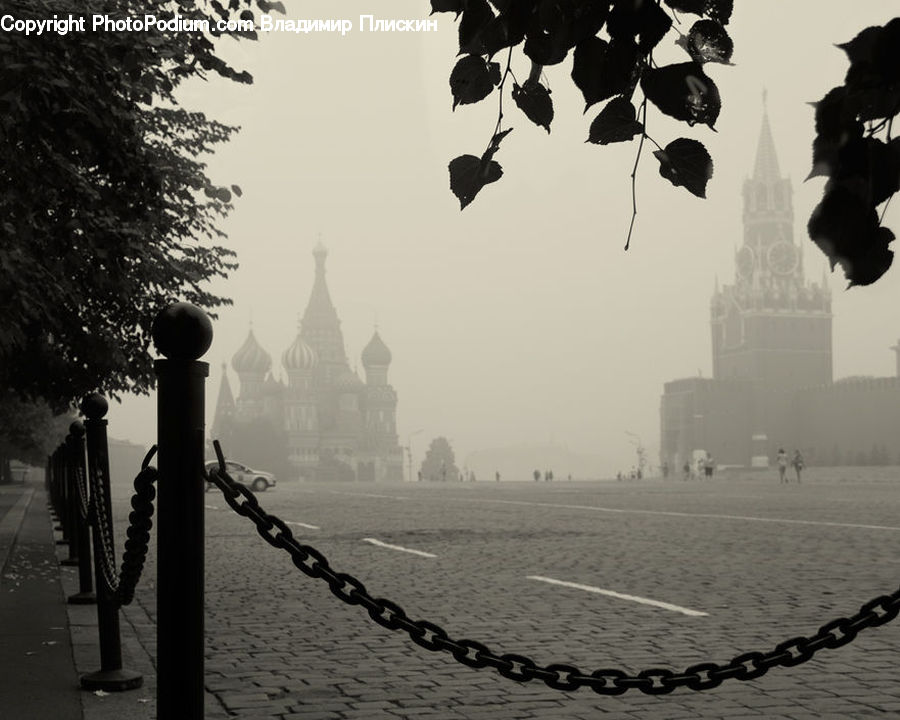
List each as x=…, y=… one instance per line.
x=764, y=562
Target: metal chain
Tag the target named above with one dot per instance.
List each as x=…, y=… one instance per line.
x=605, y=681
x=98, y=519
x=84, y=506
x=138, y=532
x=125, y=581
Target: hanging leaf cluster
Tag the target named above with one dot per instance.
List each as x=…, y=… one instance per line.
x=854, y=149
x=611, y=44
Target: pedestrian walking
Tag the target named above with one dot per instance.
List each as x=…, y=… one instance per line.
x=537, y=475
x=700, y=467
x=782, y=460
x=497, y=476
x=797, y=462
x=687, y=470
x=709, y=465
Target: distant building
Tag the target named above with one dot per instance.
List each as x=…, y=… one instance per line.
x=330, y=416
x=772, y=363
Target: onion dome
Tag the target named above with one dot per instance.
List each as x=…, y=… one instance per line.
x=376, y=352
x=251, y=358
x=348, y=381
x=299, y=356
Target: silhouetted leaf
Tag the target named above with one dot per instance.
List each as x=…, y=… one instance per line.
x=683, y=91
x=718, y=10
x=454, y=6
x=533, y=99
x=468, y=174
x=236, y=190
x=688, y=6
x=629, y=19
x=839, y=222
x=475, y=19
x=708, y=41
x=473, y=79
x=615, y=123
x=861, y=49
x=685, y=162
x=601, y=69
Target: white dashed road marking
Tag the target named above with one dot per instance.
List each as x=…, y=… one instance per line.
x=621, y=596
x=211, y=507
x=373, y=541
x=372, y=495
x=300, y=524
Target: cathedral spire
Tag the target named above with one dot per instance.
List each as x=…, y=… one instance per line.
x=320, y=326
x=224, y=405
x=766, y=167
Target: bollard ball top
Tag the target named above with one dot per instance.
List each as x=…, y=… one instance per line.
x=94, y=406
x=76, y=429
x=182, y=332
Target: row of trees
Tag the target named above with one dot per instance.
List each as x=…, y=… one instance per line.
x=108, y=213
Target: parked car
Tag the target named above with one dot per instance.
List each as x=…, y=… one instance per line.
x=257, y=480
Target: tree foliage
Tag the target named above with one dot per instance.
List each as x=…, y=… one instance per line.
x=612, y=47
x=106, y=210
x=854, y=149
x=439, y=463
x=612, y=44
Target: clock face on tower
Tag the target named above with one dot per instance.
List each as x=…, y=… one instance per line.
x=745, y=262
x=782, y=258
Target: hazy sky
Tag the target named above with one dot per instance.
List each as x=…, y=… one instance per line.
x=520, y=319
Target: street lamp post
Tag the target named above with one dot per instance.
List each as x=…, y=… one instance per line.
x=409, y=455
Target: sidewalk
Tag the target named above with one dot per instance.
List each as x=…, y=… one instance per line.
x=45, y=643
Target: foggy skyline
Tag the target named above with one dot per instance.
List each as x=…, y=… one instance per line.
x=520, y=319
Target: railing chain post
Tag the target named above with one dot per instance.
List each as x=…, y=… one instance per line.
x=76, y=466
x=59, y=483
x=111, y=676
x=181, y=333
x=70, y=511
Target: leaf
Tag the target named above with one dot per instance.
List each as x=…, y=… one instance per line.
x=847, y=231
x=454, y=6
x=632, y=18
x=615, y=123
x=861, y=49
x=236, y=190
x=718, y=10
x=686, y=163
x=468, y=174
x=473, y=79
x=476, y=17
x=533, y=99
x=708, y=41
x=601, y=69
x=683, y=91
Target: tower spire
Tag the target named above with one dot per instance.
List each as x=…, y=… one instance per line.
x=766, y=166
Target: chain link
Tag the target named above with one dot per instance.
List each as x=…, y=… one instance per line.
x=123, y=583
x=84, y=505
x=140, y=524
x=567, y=678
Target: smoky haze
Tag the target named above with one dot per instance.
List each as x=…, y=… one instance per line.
x=519, y=322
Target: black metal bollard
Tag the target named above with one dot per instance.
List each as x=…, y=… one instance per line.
x=111, y=676
x=70, y=518
x=59, y=480
x=182, y=333
x=76, y=467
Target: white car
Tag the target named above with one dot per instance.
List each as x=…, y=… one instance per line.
x=256, y=480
